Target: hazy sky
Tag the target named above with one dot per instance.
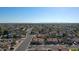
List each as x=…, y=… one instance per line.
x=39, y=15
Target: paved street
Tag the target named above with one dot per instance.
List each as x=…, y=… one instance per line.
x=25, y=43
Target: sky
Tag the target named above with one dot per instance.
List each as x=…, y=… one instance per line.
x=39, y=14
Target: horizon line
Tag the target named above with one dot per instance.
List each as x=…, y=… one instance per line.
x=39, y=22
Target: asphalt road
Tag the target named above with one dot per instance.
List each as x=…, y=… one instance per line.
x=24, y=45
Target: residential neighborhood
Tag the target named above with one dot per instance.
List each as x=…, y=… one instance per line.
x=39, y=37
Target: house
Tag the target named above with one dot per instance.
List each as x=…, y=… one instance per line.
x=41, y=36
x=60, y=40
x=52, y=41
